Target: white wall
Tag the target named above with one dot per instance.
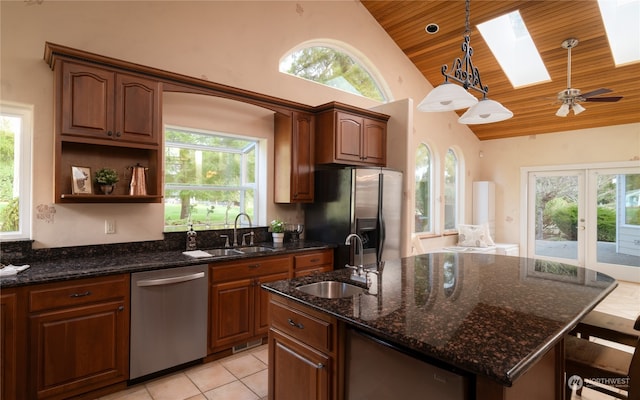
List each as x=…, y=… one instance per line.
x=234, y=43
x=503, y=158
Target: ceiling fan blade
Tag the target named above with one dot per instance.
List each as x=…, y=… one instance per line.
x=603, y=99
x=596, y=92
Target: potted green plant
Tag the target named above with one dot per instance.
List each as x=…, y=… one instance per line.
x=277, y=231
x=107, y=179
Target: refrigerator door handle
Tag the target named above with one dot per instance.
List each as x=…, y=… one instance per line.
x=381, y=221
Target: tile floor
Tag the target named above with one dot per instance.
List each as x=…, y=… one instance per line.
x=243, y=376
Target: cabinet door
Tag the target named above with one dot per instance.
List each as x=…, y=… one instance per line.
x=79, y=349
x=262, y=302
x=137, y=109
x=374, y=147
x=8, y=345
x=296, y=371
x=349, y=132
x=302, y=158
x=87, y=101
x=232, y=319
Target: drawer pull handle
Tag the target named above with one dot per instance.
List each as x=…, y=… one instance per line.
x=295, y=324
x=315, y=260
x=254, y=266
x=87, y=293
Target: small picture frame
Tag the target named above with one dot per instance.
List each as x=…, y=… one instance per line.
x=81, y=180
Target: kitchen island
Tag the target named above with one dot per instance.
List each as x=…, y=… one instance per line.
x=497, y=322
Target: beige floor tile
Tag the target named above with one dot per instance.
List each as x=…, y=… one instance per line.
x=173, y=387
x=198, y=397
x=258, y=382
x=244, y=366
x=232, y=391
x=262, y=354
x=133, y=393
x=210, y=376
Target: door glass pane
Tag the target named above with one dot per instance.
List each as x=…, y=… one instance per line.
x=450, y=191
x=556, y=216
x=423, y=189
x=618, y=234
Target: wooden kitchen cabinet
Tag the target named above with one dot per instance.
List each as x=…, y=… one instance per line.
x=303, y=352
x=104, y=117
x=308, y=263
x=12, y=345
x=350, y=136
x=294, y=157
x=79, y=336
x=239, y=310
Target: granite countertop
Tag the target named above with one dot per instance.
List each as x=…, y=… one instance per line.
x=484, y=314
x=60, y=269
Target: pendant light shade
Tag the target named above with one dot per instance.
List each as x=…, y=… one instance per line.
x=563, y=111
x=484, y=112
x=447, y=97
x=577, y=109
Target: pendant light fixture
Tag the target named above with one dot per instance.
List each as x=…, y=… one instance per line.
x=449, y=96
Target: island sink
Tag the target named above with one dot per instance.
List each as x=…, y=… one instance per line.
x=331, y=289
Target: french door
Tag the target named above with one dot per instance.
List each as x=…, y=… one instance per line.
x=588, y=217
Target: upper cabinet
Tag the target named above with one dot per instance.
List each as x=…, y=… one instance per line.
x=105, y=117
x=294, y=158
x=350, y=136
x=102, y=104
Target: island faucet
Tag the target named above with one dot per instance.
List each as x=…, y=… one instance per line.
x=235, y=229
x=358, y=273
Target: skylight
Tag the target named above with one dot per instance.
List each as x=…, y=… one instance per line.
x=511, y=44
x=621, y=23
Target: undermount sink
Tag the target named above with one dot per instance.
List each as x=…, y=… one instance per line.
x=254, y=249
x=223, y=252
x=331, y=289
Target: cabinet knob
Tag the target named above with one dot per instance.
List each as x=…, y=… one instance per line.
x=109, y=133
x=121, y=308
x=118, y=134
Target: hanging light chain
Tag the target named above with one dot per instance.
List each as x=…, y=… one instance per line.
x=467, y=10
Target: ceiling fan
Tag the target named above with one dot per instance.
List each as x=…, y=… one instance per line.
x=570, y=97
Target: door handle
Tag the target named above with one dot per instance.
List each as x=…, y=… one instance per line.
x=168, y=281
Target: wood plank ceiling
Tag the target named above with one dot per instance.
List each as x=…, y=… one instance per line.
x=549, y=23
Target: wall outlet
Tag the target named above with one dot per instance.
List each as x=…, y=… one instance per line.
x=109, y=226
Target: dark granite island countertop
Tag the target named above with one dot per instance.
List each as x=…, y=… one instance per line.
x=489, y=315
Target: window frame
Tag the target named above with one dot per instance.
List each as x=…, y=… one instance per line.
x=23, y=151
x=432, y=214
x=243, y=187
x=353, y=54
x=458, y=185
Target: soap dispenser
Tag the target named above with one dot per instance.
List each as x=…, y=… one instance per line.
x=191, y=239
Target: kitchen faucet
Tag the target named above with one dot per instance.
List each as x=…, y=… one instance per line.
x=235, y=230
x=358, y=274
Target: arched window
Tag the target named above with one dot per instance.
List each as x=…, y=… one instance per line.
x=451, y=190
x=332, y=66
x=424, y=190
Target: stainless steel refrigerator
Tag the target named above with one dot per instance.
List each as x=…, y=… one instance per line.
x=366, y=201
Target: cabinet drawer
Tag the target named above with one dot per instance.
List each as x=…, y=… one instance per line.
x=249, y=269
x=313, y=260
x=313, y=331
x=77, y=292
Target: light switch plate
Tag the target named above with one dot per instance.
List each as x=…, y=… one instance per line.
x=109, y=226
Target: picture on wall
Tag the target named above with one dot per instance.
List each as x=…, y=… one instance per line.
x=81, y=180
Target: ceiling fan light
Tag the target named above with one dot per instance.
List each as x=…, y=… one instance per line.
x=563, y=111
x=577, y=109
x=447, y=97
x=486, y=111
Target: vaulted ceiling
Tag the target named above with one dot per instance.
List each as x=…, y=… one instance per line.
x=549, y=23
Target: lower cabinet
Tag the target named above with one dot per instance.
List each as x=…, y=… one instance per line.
x=303, y=352
x=11, y=345
x=239, y=308
x=79, y=336
x=308, y=263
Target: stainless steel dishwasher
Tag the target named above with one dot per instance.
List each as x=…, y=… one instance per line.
x=168, y=318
